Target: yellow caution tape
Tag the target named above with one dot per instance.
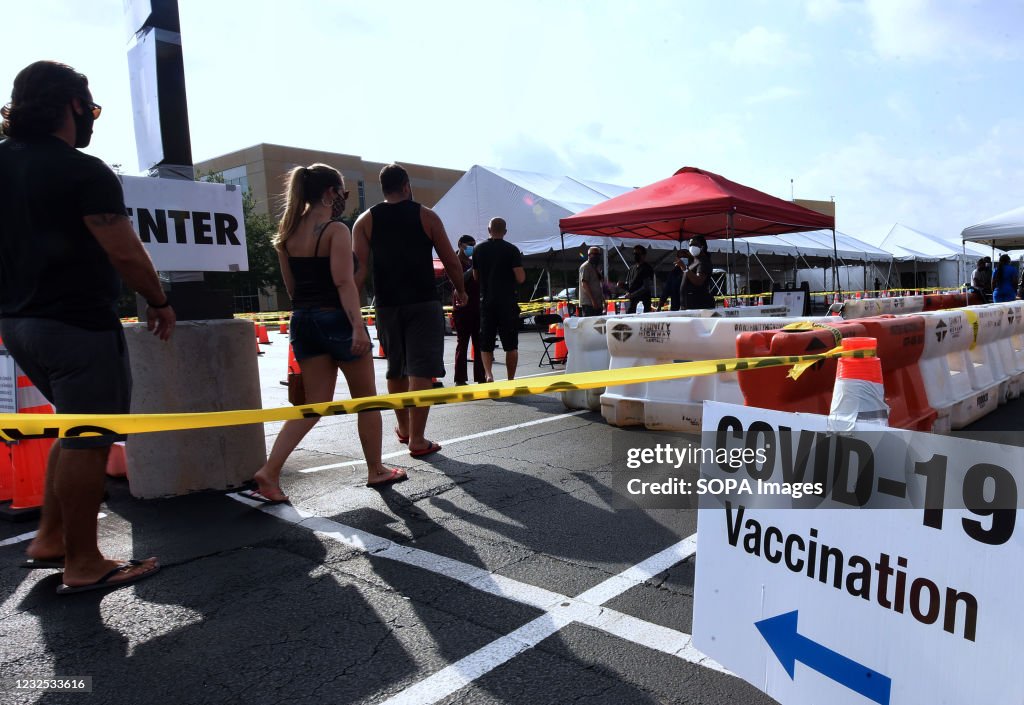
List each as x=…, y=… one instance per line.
x=802, y=367
x=972, y=319
x=15, y=427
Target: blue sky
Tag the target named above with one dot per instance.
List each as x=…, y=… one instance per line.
x=902, y=110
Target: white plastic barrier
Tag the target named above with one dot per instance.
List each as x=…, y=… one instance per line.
x=1005, y=346
x=958, y=394
x=864, y=308
x=675, y=405
x=1015, y=316
x=988, y=352
x=588, y=347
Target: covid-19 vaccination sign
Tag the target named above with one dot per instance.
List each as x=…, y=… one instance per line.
x=870, y=567
x=188, y=225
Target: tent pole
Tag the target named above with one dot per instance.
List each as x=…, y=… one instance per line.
x=835, y=256
x=732, y=258
x=565, y=276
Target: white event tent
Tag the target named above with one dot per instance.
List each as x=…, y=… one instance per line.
x=1005, y=231
x=951, y=261
x=533, y=203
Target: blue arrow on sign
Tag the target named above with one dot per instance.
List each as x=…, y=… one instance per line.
x=790, y=647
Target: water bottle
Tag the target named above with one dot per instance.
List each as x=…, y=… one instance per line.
x=640, y=307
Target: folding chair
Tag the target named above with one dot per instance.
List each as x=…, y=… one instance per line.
x=543, y=322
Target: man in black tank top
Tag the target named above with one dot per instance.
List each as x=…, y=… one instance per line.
x=398, y=237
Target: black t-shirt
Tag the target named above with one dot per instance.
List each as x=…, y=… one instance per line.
x=51, y=266
x=694, y=296
x=494, y=260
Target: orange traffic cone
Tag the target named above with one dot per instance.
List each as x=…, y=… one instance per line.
x=261, y=335
x=28, y=458
x=380, y=350
x=472, y=352
x=283, y=329
x=6, y=473
x=859, y=392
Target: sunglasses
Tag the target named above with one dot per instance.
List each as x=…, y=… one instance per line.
x=343, y=194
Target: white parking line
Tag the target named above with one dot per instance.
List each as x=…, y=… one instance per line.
x=460, y=439
x=560, y=610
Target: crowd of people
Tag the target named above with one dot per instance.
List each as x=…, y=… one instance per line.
x=999, y=284
x=687, y=286
x=66, y=243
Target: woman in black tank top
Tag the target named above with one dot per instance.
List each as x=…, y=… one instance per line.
x=327, y=330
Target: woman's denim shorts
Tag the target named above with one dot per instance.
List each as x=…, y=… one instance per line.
x=317, y=331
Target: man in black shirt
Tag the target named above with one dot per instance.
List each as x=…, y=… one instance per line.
x=639, y=280
x=498, y=266
x=64, y=239
x=402, y=236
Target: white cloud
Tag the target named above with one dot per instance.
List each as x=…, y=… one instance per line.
x=773, y=94
x=935, y=193
x=760, y=47
x=824, y=10
x=944, y=29
x=902, y=107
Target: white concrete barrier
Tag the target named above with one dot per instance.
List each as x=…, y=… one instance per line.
x=588, y=347
x=958, y=395
x=675, y=405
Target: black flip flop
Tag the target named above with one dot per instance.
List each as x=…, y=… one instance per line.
x=104, y=582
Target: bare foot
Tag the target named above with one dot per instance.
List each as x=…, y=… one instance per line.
x=269, y=487
x=42, y=550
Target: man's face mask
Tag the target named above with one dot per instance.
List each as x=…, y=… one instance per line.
x=468, y=250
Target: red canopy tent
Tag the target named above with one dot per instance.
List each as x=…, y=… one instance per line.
x=695, y=202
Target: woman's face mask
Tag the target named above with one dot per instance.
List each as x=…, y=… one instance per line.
x=695, y=250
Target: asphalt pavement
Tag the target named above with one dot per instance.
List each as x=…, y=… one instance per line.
x=503, y=571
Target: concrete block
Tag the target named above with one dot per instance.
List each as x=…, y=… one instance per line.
x=206, y=366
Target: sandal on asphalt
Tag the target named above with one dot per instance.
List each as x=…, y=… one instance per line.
x=104, y=582
x=404, y=440
x=43, y=563
x=395, y=476
x=432, y=448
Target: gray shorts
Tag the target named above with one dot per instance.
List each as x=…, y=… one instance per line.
x=413, y=339
x=78, y=371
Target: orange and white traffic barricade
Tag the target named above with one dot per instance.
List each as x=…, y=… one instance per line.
x=587, y=343
x=673, y=405
x=900, y=342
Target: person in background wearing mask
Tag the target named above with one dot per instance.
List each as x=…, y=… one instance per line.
x=981, y=278
x=1004, y=281
x=467, y=318
x=65, y=245
x=671, y=291
x=639, y=280
x=590, y=290
x=696, y=289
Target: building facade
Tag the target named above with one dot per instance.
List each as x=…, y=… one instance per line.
x=264, y=168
